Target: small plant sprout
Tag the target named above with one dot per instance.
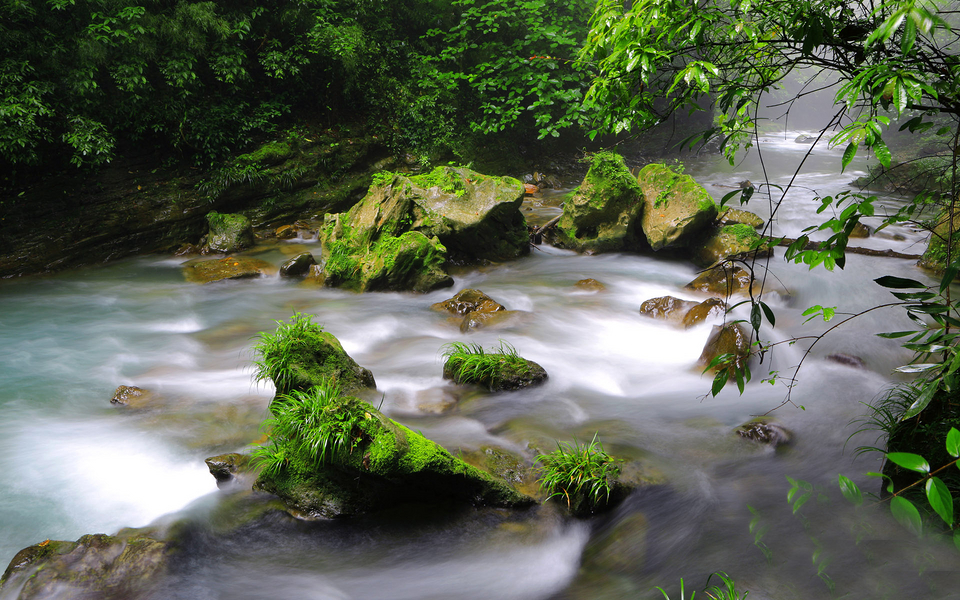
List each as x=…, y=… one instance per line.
x=581, y=474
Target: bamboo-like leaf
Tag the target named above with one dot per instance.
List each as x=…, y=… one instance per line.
x=909, y=460
x=940, y=499
x=921, y=402
x=848, y=155
x=906, y=514
x=850, y=490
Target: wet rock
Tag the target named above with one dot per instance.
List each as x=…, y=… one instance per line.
x=603, y=214
x=228, y=233
x=847, y=360
x=530, y=189
x=298, y=266
x=620, y=546
x=730, y=339
x=131, y=395
x=468, y=301
x=805, y=139
x=226, y=467
x=231, y=267
x=723, y=279
x=509, y=466
x=727, y=241
x=676, y=208
x=95, y=566
x=666, y=308
x=765, y=431
x=502, y=373
x=711, y=307
x=386, y=465
x=861, y=231
x=187, y=250
x=590, y=285
x=734, y=216
x=935, y=256
x=286, y=232
x=482, y=319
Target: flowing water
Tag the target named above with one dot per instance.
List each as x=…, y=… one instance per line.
x=74, y=464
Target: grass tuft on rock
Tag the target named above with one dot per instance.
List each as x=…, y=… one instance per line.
x=276, y=351
x=470, y=363
x=581, y=474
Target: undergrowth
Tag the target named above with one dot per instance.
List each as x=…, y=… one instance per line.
x=582, y=474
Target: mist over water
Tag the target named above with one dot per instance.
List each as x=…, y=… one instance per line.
x=74, y=464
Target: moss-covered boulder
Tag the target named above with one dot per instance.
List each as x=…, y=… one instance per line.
x=228, y=233
x=935, y=256
x=300, y=355
x=603, y=214
x=676, y=208
x=94, y=566
x=230, y=267
x=722, y=242
x=380, y=464
x=730, y=339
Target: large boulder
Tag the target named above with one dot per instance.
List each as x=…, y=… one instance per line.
x=230, y=267
x=381, y=464
x=298, y=266
x=685, y=313
x=228, y=233
x=729, y=240
x=95, y=566
x=402, y=232
x=468, y=301
x=944, y=241
x=603, y=213
x=676, y=208
x=731, y=339
x=735, y=216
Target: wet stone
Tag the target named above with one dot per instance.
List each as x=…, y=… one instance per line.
x=298, y=266
x=765, y=431
x=130, y=395
x=590, y=285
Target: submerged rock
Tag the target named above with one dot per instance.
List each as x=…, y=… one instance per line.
x=468, y=301
x=847, y=360
x=383, y=465
x=298, y=266
x=131, y=395
x=590, y=285
x=231, y=267
x=765, y=431
x=603, y=213
x=494, y=320
x=676, y=208
x=228, y=233
x=94, y=566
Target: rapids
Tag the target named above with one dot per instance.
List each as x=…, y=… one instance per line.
x=74, y=464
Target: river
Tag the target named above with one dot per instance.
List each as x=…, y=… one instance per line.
x=73, y=464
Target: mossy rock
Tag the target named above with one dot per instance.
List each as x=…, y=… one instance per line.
x=492, y=320
x=316, y=357
x=730, y=339
x=589, y=285
x=95, y=566
x=225, y=468
x=735, y=216
x=468, y=301
x=935, y=256
x=764, y=430
x=603, y=214
x=388, y=465
x=729, y=240
x=230, y=267
x=132, y=396
x=676, y=208
x=506, y=375
x=711, y=307
x=410, y=261
x=228, y=233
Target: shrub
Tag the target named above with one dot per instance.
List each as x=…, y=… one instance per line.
x=583, y=474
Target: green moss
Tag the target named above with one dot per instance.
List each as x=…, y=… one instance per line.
x=382, y=178
x=268, y=154
x=444, y=178
x=936, y=254
x=742, y=233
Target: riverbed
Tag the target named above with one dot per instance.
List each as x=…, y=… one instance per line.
x=75, y=464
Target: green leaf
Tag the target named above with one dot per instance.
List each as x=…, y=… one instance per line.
x=909, y=460
x=921, y=403
x=848, y=155
x=953, y=442
x=906, y=514
x=895, y=334
x=756, y=319
x=850, y=490
x=917, y=368
x=769, y=314
x=718, y=382
x=940, y=499
x=882, y=151
x=898, y=283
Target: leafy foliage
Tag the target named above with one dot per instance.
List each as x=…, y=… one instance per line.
x=581, y=474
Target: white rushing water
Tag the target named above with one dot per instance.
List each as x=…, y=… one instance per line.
x=74, y=464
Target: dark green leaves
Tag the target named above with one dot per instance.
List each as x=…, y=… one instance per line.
x=906, y=514
x=908, y=460
x=850, y=490
x=848, y=155
x=899, y=283
x=953, y=442
x=940, y=499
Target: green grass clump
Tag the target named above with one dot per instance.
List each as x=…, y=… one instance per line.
x=275, y=351
x=582, y=474
x=470, y=363
x=310, y=427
